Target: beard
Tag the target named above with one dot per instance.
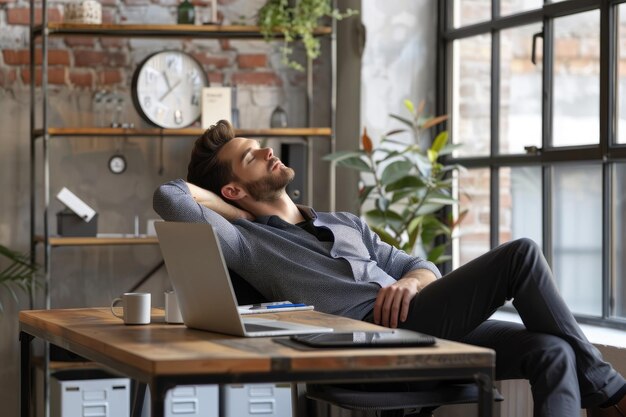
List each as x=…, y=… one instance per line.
x=270, y=187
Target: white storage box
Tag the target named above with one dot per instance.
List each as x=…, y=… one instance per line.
x=188, y=401
x=77, y=394
x=256, y=400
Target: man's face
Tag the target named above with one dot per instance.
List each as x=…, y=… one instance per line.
x=257, y=170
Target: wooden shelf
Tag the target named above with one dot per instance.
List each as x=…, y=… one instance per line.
x=194, y=132
x=98, y=241
x=162, y=31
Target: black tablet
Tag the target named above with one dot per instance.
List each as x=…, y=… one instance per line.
x=385, y=338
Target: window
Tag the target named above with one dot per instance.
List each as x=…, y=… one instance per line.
x=535, y=91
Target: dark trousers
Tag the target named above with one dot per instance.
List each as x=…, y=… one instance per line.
x=565, y=371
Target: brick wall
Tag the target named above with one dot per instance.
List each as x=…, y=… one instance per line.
x=94, y=63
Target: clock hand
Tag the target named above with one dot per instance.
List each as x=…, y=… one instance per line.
x=167, y=80
x=170, y=90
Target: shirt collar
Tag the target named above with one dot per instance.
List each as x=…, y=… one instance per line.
x=307, y=212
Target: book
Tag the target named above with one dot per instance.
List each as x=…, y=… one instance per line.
x=216, y=105
x=273, y=307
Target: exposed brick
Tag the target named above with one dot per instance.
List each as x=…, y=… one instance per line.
x=225, y=45
x=215, y=78
x=212, y=61
x=7, y=77
x=109, y=76
x=87, y=58
x=81, y=79
x=80, y=41
x=256, y=78
x=22, y=57
x=108, y=15
x=252, y=61
x=55, y=75
x=8, y=1
x=21, y=16
x=113, y=42
x=136, y=2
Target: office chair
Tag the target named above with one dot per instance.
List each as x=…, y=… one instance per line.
x=391, y=399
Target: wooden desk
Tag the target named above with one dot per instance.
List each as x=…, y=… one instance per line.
x=164, y=355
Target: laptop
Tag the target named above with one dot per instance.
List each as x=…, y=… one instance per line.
x=197, y=270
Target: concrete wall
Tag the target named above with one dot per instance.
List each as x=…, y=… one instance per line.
x=91, y=276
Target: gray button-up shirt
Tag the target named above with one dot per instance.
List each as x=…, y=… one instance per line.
x=285, y=262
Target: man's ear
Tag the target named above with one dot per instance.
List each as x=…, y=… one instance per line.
x=233, y=191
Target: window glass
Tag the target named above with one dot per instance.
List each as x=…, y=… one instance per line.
x=515, y=6
x=576, y=79
x=520, y=203
x=520, y=90
x=618, y=196
x=467, y=12
x=471, y=114
x=473, y=231
x=577, y=236
x=621, y=73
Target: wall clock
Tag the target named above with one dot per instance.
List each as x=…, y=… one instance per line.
x=167, y=87
x=117, y=164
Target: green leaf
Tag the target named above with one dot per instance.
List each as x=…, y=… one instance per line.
x=432, y=155
x=449, y=148
x=377, y=218
x=402, y=119
x=355, y=163
x=382, y=204
x=395, y=170
x=429, y=209
x=448, y=201
x=435, y=254
x=385, y=237
x=340, y=155
x=364, y=193
x=433, y=227
x=409, y=105
x=409, y=182
x=394, y=132
x=440, y=141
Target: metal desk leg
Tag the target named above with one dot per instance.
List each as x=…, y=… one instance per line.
x=138, y=398
x=158, y=390
x=485, y=395
x=25, y=340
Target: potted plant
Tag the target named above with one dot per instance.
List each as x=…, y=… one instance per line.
x=296, y=20
x=19, y=274
x=404, y=186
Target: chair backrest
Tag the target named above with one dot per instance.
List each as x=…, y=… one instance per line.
x=245, y=293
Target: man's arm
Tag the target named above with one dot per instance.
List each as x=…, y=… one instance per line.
x=412, y=274
x=213, y=202
x=392, y=302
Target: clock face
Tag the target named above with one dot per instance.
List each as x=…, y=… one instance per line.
x=117, y=164
x=167, y=87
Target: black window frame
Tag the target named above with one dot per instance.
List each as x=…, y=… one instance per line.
x=607, y=152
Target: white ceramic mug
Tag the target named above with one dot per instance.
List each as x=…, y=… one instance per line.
x=172, y=312
x=136, y=307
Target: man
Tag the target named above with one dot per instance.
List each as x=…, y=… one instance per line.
x=335, y=262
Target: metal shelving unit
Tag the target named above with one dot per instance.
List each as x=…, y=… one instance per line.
x=44, y=132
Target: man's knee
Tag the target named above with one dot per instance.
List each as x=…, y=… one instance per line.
x=525, y=244
x=550, y=351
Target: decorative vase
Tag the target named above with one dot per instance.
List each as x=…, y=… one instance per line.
x=186, y=13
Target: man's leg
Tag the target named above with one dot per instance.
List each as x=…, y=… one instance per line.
x=458, y=303
x=547, y=362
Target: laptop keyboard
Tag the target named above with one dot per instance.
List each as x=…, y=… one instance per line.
x=252, y=327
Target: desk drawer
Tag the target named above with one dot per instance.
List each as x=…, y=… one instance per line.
x=256, y=400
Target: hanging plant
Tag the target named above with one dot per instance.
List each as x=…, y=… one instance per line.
x=296, y=21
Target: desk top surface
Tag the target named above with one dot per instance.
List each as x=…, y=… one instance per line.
x=161, y=349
